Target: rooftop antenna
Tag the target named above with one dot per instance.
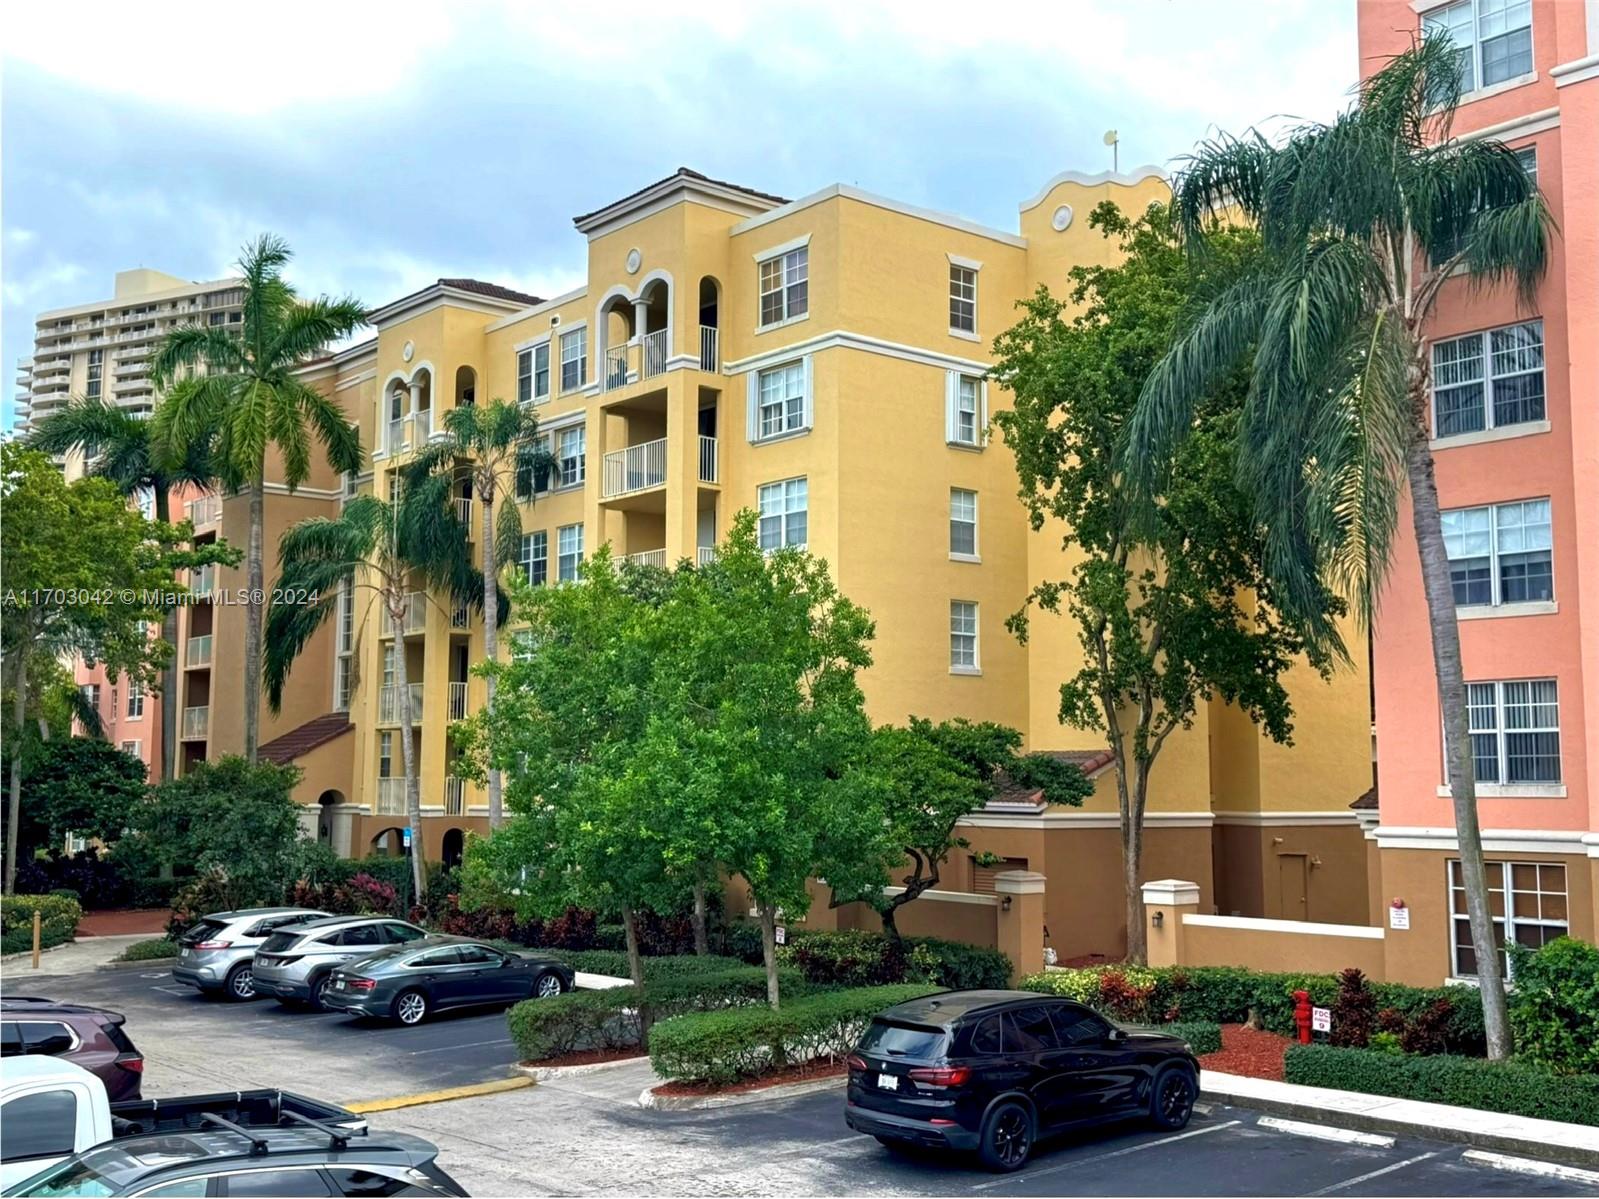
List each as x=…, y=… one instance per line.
x=1113, y=141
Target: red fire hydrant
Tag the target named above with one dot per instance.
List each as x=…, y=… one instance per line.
x=1302, y=1015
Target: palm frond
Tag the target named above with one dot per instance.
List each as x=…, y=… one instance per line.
x=209, y=346
x=308, y=327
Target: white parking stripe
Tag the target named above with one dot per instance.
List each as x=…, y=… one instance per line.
x=1078, y=1162
x=1369, y=1175
x=1323, y=1132
x=467, y=1045
x=1527, y=1165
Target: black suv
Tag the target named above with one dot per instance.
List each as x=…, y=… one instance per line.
x=995, y=1070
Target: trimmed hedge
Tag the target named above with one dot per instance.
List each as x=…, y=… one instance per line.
x=149, y=951
x=1509, y=1087
x=1227, y=994
x=724, y=1046
x=1202, y=1036
x=856, y=958
x=614, y=963
x=59, y=916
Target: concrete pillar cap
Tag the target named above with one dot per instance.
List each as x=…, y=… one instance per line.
x=1171, y=891
x=1019, y=882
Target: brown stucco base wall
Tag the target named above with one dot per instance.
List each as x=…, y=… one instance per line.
x=1260, y=869
x=1279, y=951
x=434, y=827
x=1420, y=954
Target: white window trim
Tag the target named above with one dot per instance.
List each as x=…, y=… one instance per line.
x=1529, y=428
x=1496, y=606
x=969, y=264
x=976, y=668
x=1426, y=8
x=1501, y=730
x=771, y=252
x=977, y=524
x=556, y=385
x=1495, y=612
x=530, y=348
x=784, y=514
x=1485, y=336
x=752, y=414
x=765, y=256
x=1508, y=920
x=951, y=394
x=138, y=746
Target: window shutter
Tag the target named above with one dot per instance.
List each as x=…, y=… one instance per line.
x=808, y=420
x=752, y=407
x=982, y=413
x=951, y=391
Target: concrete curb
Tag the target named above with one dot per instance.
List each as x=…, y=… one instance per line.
x=1549, y=1140
x=694, y=1103
x=493, y=1087
x=551, y=1073
x=146, y=964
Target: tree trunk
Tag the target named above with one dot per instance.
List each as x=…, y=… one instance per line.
x=169, y=676
x=635, y=971
x=491, y=633
x=14, y=803
x=252, y=619
x=767, y=915
x=890, y=926
x=396, y=599
x=702, y=944
x=1450, y=671
x=1132, y=866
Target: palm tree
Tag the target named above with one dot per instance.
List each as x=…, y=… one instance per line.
x=1364, y=221
x=240, y=392
x=376, y=547
x=124, y=448
x=499, y=444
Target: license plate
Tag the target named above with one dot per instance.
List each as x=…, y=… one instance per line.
x=265, y=961
x=184, y=954
x=338, y=984
x=888, y=1082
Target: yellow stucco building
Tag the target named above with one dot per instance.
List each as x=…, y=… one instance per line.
x=822, y=361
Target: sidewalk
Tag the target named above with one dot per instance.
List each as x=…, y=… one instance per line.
x=1573, y=1144
x=83, y=956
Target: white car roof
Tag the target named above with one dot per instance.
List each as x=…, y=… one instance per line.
x=38, y=1067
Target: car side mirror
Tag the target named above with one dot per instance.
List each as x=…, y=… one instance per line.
x=1115, y=1036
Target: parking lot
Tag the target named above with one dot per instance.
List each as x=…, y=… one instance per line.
x=586, y=1133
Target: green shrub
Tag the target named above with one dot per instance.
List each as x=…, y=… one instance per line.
x=745, y=1042
x=67, y=893
x=610, y=936
x=1202, y=1036
x=964, y=967
x=614, y=963
x=1554, y=1009
x=1510, y=1087
x=856, y=958
x=149, y=951
x=58, y=916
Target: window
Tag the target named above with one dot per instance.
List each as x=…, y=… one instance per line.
x=983, y=875
x=39, y=1125
x=1468, y=399
x=569, y=457
x=1029, y=1030
x=531, y=480
x=965, y=413
x=533, y=374
x=569, y=552
x=1515, y=731
x=135, y=699
x=986, y=1036
x=963, y=636
x=780, y=400
x=522, y=645
x=385, y=755
x=1077, y=1026
x=131, y=748
x=91, y=387
x=1500, y=553
x=1535, y=915
x=574, y=359
x=363, y=934
x=276, y=1184
x=535, y=557
x=1493, y=39
x=785, y=514
x=785, y=286
x=449, y=955
x=369, y=1182
x=1527, y=156
x=344, y=660
x=91, y=695
x=399, y=934
x=962, y=299
x=962, y=523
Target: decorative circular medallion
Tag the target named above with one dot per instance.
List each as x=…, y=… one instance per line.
x=407, y=351
x=1063, y=218
x=634, y=261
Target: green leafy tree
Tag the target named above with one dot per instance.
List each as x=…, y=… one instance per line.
x=83, y=786
x=494, y=444
x=378, y=550
x=124, y=448
x=1363, y=222
x=237, y=393
x=1554, y=1010
x=1171, y=611
x=85, y=575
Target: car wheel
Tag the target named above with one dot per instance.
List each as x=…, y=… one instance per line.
x=1171, y=1099
x=1007, y=1137
x=319, y=984
x=548, y=986
x=240, y=985
x=411, y=1007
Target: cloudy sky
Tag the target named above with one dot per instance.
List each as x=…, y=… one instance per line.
x=396, y=142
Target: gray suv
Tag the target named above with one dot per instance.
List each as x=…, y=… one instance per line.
x=295, y=963
x=215, y=955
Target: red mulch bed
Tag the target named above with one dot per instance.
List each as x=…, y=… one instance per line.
x=586, y=1057
x=805, y=1072
x=124, y=922
x=1248, y=1052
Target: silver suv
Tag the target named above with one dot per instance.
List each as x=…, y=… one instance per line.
x=295, y=964
x=215, y=955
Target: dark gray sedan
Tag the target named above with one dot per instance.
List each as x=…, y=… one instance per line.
x=410, y=982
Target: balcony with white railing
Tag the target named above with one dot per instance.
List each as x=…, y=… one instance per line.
x=618, y=368
x=707, y=555
x=206, y=510
x=198, y=653
x=389, y=704
x=647, y=558
x=422, y=425
x=708, y=460
x=196, y=723
x=637, y=468
x=395, y=441
x=203, y=579
x=454, y=795
x=463, y=511
x=414, y=620
x=653, y=353
x=461, y=617
x=457, y=699
x=391, y=797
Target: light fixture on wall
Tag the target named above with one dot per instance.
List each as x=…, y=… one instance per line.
x=1004, y=904
x=1158, y=919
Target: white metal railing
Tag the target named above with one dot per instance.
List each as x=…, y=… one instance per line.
x=391, y=797
x=422, y=425
x=616, y=368
x=648, y=558
x=653, y=353
x=454, y=795
x=708, y=460
x=196, y=723
x=206, y=510
x=463, y=511
x=707, y=554
x=457, y=699
x=636, y=468
x=199, y=651
x=461, y=618
x=414, y=621
x=389, y=704
x=396, y=437
x=203, y=579
x=708, y=348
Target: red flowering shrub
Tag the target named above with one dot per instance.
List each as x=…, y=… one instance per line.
x=1122, y=997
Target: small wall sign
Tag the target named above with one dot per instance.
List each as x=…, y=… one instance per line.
x=780, y=935
x=1321, y=1019
x=1398, y=914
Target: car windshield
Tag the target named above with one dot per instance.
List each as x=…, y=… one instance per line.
x=903, y=1040
x=109, y=1170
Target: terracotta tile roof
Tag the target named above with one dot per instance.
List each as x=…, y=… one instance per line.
x=1367, y=800
x=1011, y=794
x=684, y=173
x=493, y=290
x=307, y=737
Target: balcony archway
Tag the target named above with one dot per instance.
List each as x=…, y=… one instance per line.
x=390, y=843
x=710, y=323
x=454, y=846
x=465, y=386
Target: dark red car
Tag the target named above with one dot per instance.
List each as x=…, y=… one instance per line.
x=90, y=1037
